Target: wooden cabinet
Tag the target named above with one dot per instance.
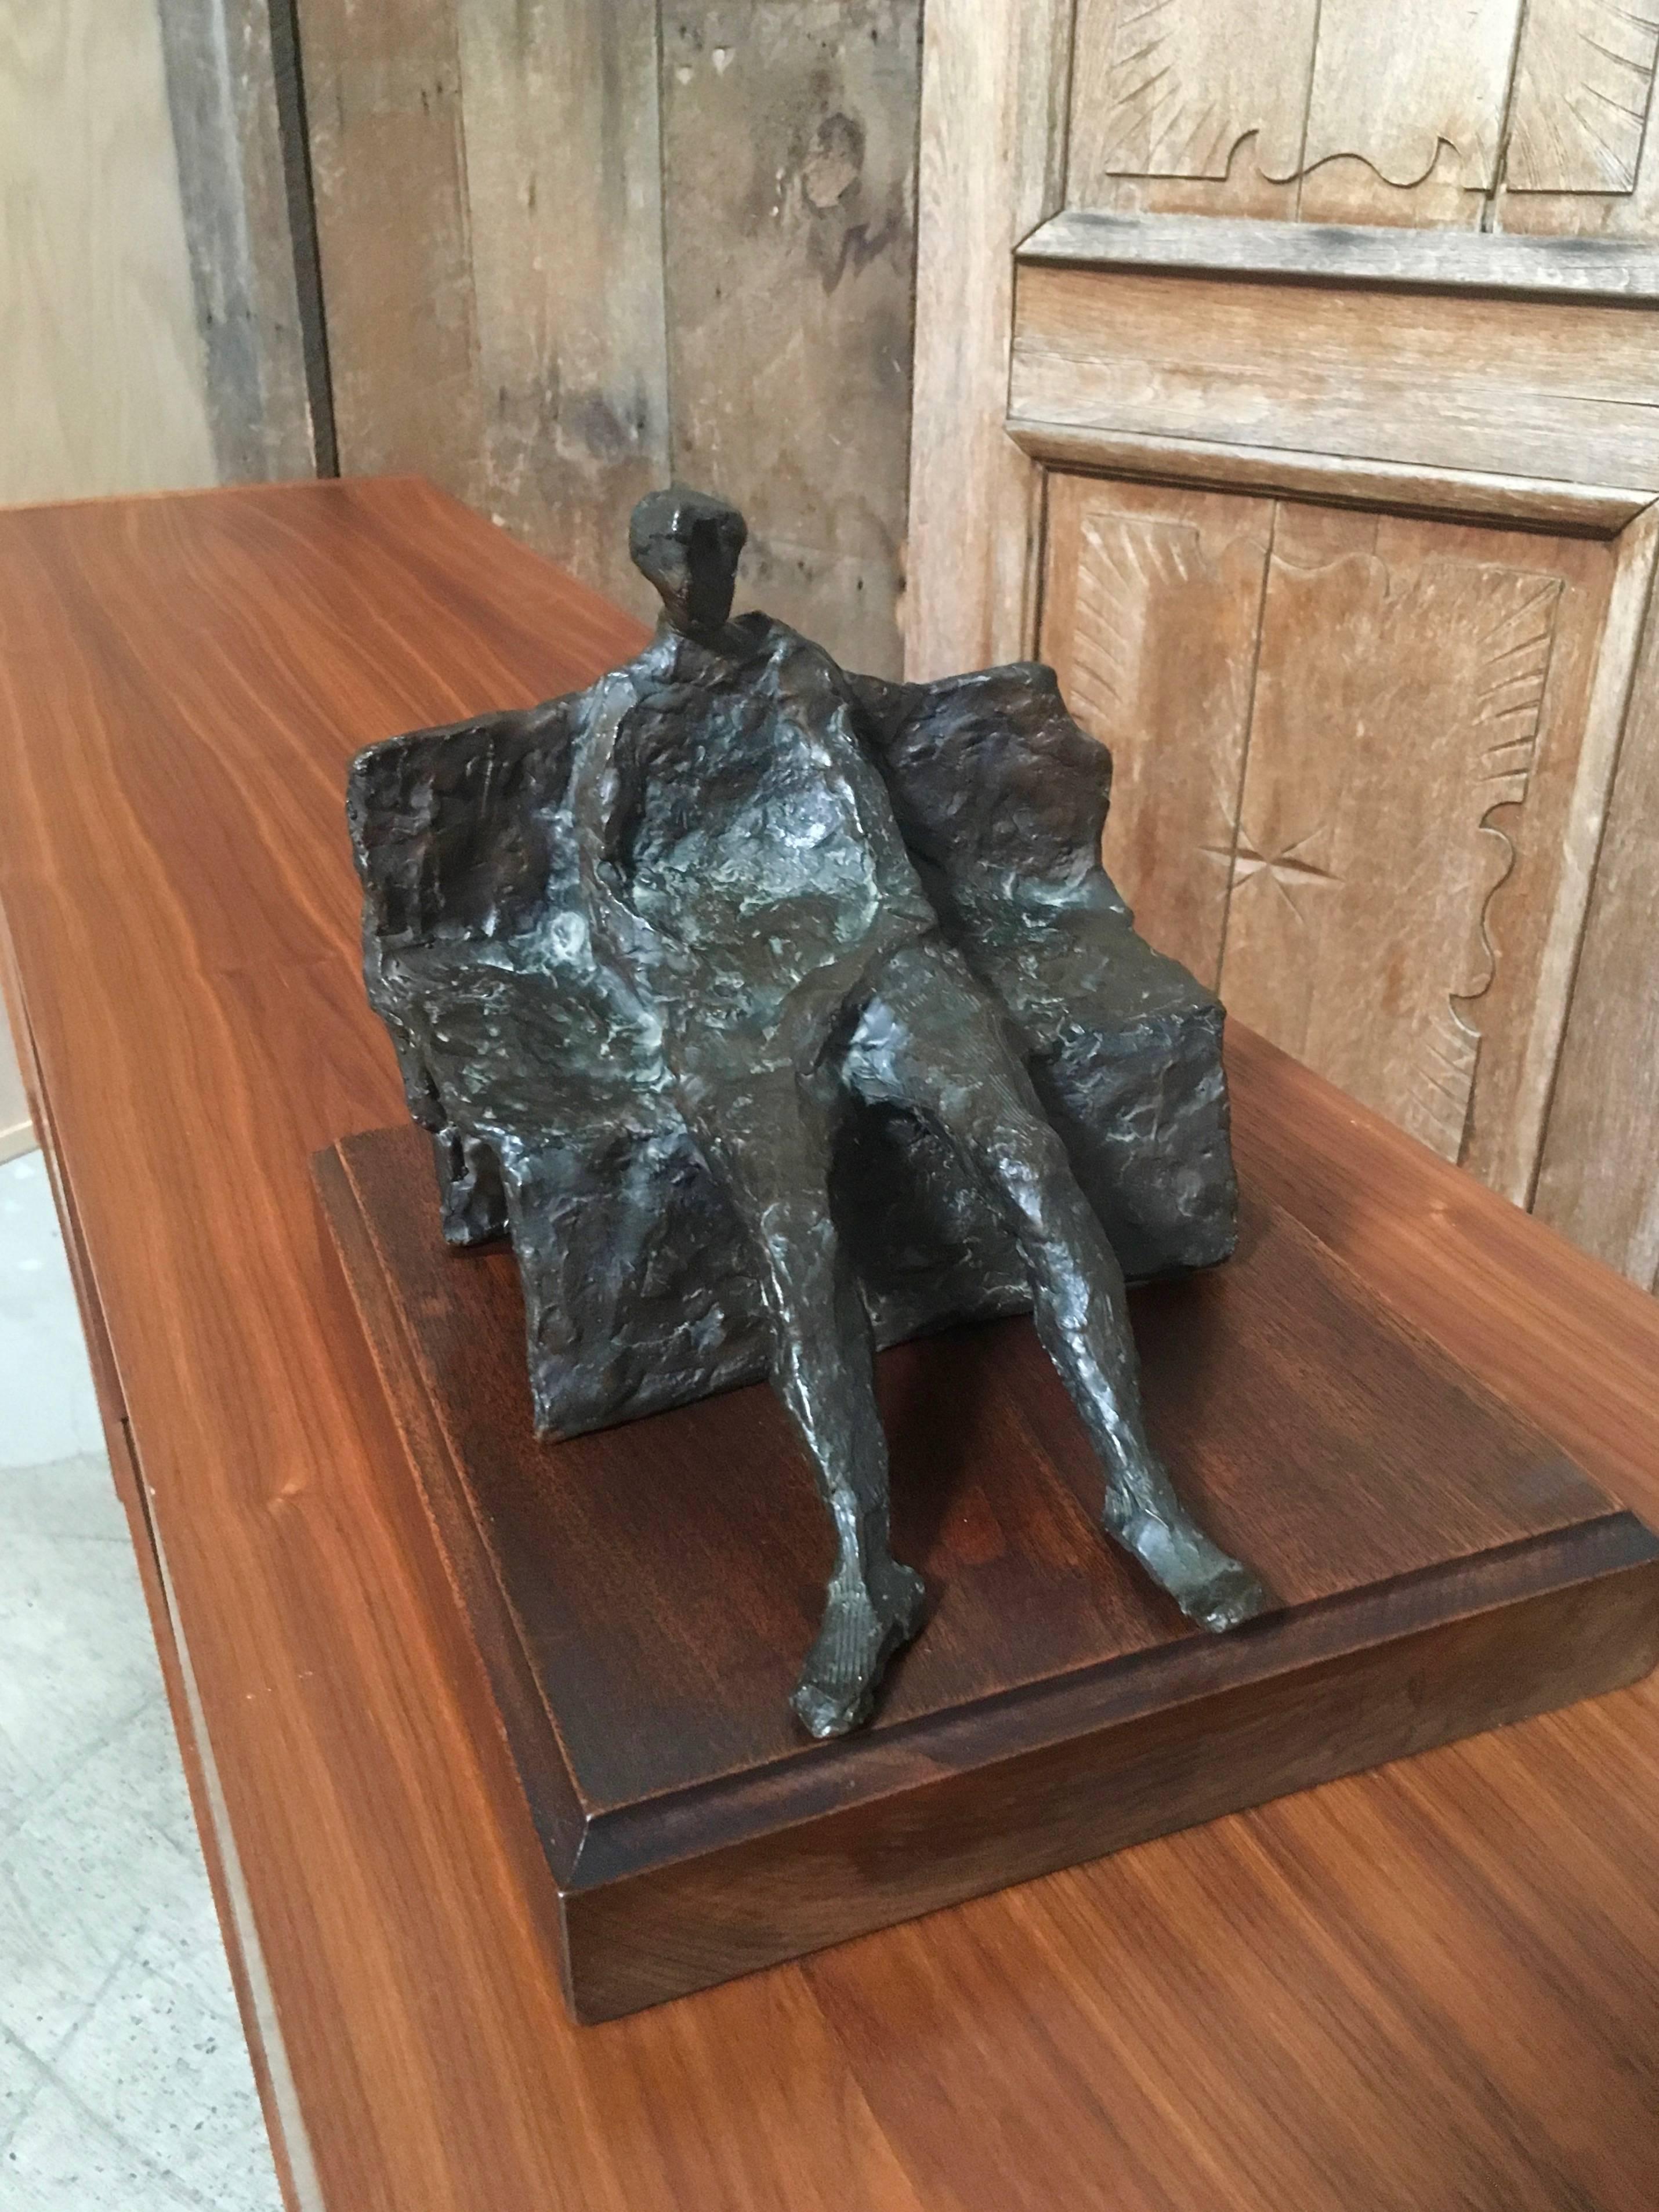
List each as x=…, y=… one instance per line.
x=1341, y=537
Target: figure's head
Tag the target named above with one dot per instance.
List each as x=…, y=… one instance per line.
x=687, y=543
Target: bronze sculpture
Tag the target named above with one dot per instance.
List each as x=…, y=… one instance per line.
x=761, y=1003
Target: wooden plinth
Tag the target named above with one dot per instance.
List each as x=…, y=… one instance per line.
x=642, y=1598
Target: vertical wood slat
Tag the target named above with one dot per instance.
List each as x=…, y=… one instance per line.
x=564, y=216
x=1599, y=1180
x=788, y=160
x=504, y=285
x=995, y=93
x=389, y=173
x=221, y=93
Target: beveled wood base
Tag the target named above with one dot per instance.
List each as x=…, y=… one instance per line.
x=643, y=1597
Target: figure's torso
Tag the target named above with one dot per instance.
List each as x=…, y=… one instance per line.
x=761, y=836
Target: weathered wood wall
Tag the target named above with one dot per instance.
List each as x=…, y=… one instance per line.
x=571, y=248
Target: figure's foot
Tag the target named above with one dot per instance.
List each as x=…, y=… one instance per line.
x=864, y=1625
x=1217, y=1591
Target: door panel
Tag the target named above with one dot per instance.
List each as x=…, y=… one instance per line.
x=1563, y=389
x=1153, y=604
x=1351, y=766
x=1487, y=115
x=1288, y=374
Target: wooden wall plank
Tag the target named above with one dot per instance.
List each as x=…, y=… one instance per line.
x=1606, y=708
x=995, y=97
x=1550, y=390
x=1151, y=606
x=101, y=386
x=565, y=220
x=789, y=249
x=221, y=78
x=389, y=169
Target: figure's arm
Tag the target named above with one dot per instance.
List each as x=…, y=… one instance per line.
x=607, y=791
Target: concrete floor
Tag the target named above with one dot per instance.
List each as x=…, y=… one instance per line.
x=124, y=2081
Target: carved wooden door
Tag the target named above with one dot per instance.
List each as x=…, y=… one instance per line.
x=1342, y=538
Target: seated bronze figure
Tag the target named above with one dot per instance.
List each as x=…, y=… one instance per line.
x=775, y=1012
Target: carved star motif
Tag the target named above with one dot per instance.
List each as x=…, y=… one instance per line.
x=1284, y=869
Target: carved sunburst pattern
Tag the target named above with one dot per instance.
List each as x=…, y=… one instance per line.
x=1185, y=81
x=1583, y=93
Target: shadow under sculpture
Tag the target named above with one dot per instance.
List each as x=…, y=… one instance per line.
x=772, y=1010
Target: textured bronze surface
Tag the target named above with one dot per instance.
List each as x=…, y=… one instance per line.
x=764, y=1006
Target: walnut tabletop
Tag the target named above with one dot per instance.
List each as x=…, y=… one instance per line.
x=1436, y=1985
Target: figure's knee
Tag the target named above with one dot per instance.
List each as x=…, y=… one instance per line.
x=1025, y=1156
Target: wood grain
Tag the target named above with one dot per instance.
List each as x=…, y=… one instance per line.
x=1493, y=115
x=1582, y=93
x=1425, y=1986
x=1468, y=686
x=1406, y=111
x=789, y=246
x=1164, y=96
x=1395, y=887
x=564, y=231
x=1440, y=1569
x=388, y=166
x=1599, y=1178
x=994, y=83
x=100, y=374
x=1288, y=110
x=1580, y=158
x=223, y=97
x=1610, y=271
x=1396, y=487
x=1152, y=609
x=1559, y=389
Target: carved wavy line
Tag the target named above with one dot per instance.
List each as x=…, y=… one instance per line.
x=1351, y=154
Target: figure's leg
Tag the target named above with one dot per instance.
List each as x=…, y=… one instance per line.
x=934, y=1040
x=768, y=1139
